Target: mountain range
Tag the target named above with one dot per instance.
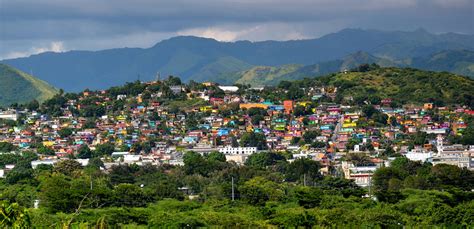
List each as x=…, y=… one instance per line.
x=265, y=62
x=455, y=61
x=19, y=87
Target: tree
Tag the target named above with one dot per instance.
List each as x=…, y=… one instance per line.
x=257, y=119
x=129, y=195
x=216, y=156
x=33, y=105
x=14, y=216
x=258, y=190
x=346, y=187
x=56, y=194
x=369, y=111
x=385, y=182
x=253, y=139
x=65, y=132
x=22, y=172
x=263, y=159
x=95, y=163
x=308, y=197
x=45, y=150
x=122, y=174
x=359, y=159
x=104, y=149
x=67, y=167
x=195, y=163
x=303, y=168
x=7, y=147
x=309, y=136
x=295, y=92
x=299, y=111
x=84, y=152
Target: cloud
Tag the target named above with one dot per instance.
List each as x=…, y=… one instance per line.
x=99, y=24
x=216, y=33
x=56, y=46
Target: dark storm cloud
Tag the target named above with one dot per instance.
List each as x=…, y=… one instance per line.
x=28, y=26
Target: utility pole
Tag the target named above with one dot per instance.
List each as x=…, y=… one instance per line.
x=233, y=194
x=370, y=184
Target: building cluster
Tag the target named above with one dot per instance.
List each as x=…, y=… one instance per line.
x=239, y=123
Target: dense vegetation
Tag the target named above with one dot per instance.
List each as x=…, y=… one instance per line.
x=268, y=191
x=19, y=87
x=402, y=85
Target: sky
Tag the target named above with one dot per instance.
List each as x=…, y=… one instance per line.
x=33, y=26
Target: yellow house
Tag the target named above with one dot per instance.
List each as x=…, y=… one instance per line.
x=349, y=124
x=249, y=128
x=48, y=143
x=205, y=108
x=121, y=118
x=304, y=103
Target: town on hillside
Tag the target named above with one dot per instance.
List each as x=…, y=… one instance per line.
x=159, y=122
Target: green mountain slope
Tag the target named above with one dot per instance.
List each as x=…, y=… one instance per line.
x=404, y=85
x=346, y=63
x=456, y=61
x=19, y=87
x=220, y=70
x=265, y=75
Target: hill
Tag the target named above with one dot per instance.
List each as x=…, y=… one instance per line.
x=403, y=85
x=268, y=75
x=19, y=87
x=456, y=61
x=207, y=59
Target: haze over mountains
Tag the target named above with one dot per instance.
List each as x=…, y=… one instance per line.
x=266, y=62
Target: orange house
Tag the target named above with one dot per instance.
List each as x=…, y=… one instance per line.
x=288, y=105
x=252, y=105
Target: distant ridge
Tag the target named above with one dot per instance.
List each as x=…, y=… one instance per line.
x=202, y=59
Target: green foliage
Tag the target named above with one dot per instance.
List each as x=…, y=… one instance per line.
x=14, y=216
x=263, y=159
x=308, y=197
x=303, y=170
x=104, y=149
x=129, y=195
x=67, y=167
x=65, y=132
x=252, y=139
x=258, y=190
x=404, y=86
x=84, y=152
x=7, y=147
x=269, y=192
x=45, y=150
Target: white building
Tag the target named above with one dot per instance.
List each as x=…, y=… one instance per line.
x=131, y=158
x=238, y=150
x=9, y=115
x=35, y=164
x=362, y=175
x=229, y=88
x=419, y=155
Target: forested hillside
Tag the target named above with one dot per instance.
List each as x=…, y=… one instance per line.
x=19, y=87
